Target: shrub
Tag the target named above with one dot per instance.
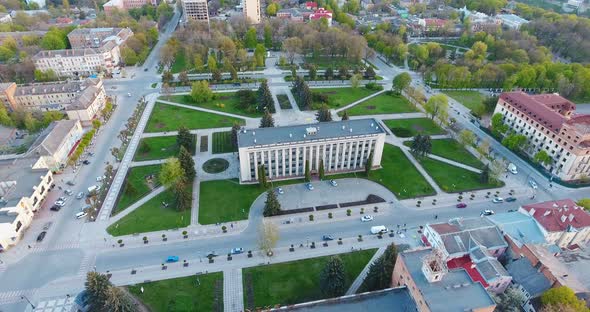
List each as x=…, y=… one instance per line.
x=348, y=212
x=310, y=217
x=330, y=215
x=374, y=86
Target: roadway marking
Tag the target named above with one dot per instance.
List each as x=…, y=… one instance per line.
x=15, y=295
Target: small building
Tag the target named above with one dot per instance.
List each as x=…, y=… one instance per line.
x=528, y=281
x=565, y=223
x=322, y=13
x=57, y=142
x=294, y=14
x=310, y=5
x=518, y=229
x=341, y=146
x=5, y=18
x=511, y=21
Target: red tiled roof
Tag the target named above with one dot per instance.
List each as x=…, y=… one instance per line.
x=425, y=241
x=311, y=4
x=465, y=263
x=444, y=228
x=434, y=22
x=557, y=216
x=543, y=108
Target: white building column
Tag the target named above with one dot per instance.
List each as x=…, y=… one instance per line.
x=283, y=162
x=350, y=149
x=342, y=156
x=255, y=165
x=330, y=160
x=262, y=156
x=296, y=160
x=277, y=172
x=359, y=144
x=304, y=158
x=317, y=157
x=336, y=156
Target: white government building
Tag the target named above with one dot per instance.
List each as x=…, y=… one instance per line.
x=343, y=146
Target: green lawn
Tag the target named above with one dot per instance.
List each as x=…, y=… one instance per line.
x=227, y=102
x=297, y=281
x=135, y=186
x=453, y=150
x=470, y=99
x=226, y=200
x=406, y=128
x=382, y=104
x=191, y=293
x=152, y=216
x=168, y=118
x=179, y=63
x=338, y=97
x=158, y=148
x=284, y=102
x=399, y=175
x=222, y=143
x=323, y=62
x=454, y=179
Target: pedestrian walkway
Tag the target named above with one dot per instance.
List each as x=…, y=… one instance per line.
x=208, y=110
x=147, y=162
x=195, y=203
x=57, y=304
x=453, y=163
x=136, y=205
x=233, y=290
x=15, y=295
x=361, y=277
x=359, y=101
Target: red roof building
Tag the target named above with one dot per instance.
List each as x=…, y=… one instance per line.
x=310, y=5
x=565, y=223
x=322, y=13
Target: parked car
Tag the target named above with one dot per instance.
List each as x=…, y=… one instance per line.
x=333, y=183
x=60, y=203
x=379, y=229
x=68, y=192
x=98, y=179
x=55, y=208
x=70, y=183
x=487, y=212
x=129, y=94
x=172, y=259
x=211, y=254
x=327, y=237
x=461, y=205
x=238, y=250
x=86, y=162
x=366, y=218
x=512, y=168
x=80, y=195
x=498, y=200
x=41, y=236
x=81, y=215
x=533, y=184
x=510, y=199
x=309, y=186
x=280, y=190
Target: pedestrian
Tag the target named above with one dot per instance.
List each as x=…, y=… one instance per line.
x=29, y=246
x=232, y=225
x=435, y=217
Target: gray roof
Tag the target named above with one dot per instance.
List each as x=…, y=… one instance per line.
x=6, y=217
x=455, y=292
x=522, y=228
x=490, y=269
x=460, y=235
x=51, y=139
x=65, y=53
x=21, y=172
x=49, y=88
x=391, y=300
x=298, y=133
x=523, y=273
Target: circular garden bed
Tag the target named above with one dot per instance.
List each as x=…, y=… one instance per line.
x=215, y=165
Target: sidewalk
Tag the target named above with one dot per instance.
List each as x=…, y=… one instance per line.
x=137, y=204
x=361, y=277
x=359, y=101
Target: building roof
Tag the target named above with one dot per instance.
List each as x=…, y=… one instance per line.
x=548, y=110
x=512, y=18
x=393, y=300
x=460, y=235
x=562, y=271
x=491, y=269
x=17, y=179
x=52, y=138
x=466, y=294
x=65, y=53
x=559, y=215
x=520, y=227
x=88, y=95
x=523, y=273
x=49, y=88
x=309, y=132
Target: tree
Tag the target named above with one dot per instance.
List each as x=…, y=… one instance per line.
x=262, y=176
x=211, y=63
x=267, y=121
x=563, y=295
x=183, y=196
x=332, y=278
x=369, y=164
x=183, y=78
x=271, y=9
x=272, y=206
x=267, y=36
x=4, y=117
x=484, y=148
x=200, y=92
x=268, y=235
x=250, y=40
x=265, y=101
x=355, y=81
x=514, y=141
x=324, y=114
x=118, y=301
x=166, y=90
x=234, y=135
x=467, y=138
x=313, y=72
x=370, y=73
x=542, y=158
x=307, y=173
x=510, y=300
x=329, y=73
x=498, y=126
x=259, y=54
x=321, y=169
x=345, y=115
x=343, y=73
x=421, y=145
x=184, y=138
x=170, y=173
x=292, y=46
x=53, y=40
x=497, y=168
x=401, y=82
x=380, y=271
x=97, y=286
x=484, y=176
x=584, y=202
x=187, y=164
x=437, y=106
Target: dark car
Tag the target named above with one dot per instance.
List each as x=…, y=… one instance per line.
x=461, y=205
x=86, y=162
x=145, y=69
x=510, y=199
x=211, y=254
x=41, y=236
x=328, y=237
x=55, y=208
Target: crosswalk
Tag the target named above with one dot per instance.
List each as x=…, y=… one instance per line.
x=15, y=296
x=86, y=264
x=60, y=246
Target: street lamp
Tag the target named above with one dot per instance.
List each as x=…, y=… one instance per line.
x=29, y=301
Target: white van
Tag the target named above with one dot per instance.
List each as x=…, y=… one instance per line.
x=512, y=168
x=378, y=229
x=81, y=215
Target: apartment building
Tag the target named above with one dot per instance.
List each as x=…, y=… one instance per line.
x=252, y=11
x=124, y=5
x=57, y=142
x=196, y=10
x=81, y=38
x=79, y=99
x=342, y=146
x=550, y=123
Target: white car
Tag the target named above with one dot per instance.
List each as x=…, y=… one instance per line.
x=98, y=179
x=60, y=203
x=487, y=212
x=366, y=218
x=498, y=200
x=333, y=183
x=280, y=190
x=533, y=184
x=309, y=186
x=80, y=195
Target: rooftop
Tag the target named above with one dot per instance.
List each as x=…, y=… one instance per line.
x=558, y=216
x=512, y=18
x=49, y=88
x=467, y=295
x=461, y=235
x=520, y=227
x=52, y=137
x=391, y=300
x=523, y=273
x=65, y=53
x=309, y=132
x=549, y=110
x=17, y=179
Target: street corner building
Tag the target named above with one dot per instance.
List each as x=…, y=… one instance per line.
x=342, y=146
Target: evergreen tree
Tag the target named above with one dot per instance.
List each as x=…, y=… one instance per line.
x=306, y=97
x=379, y=275
x=181, y=192
x=369, y=164
x=267, y=121
x=332, y=278
x=329, y=73
x=265, y=98
x=343, y=73
x=313, y=72
x=234, y=136
x=184, y=138
x=345, y=116
x=119, y=301
x=187, y=163
x=262, y=176
x=484, y=177
x=272, y=206
x=421, y=145
x=307, y=173
x=324, y=114
x=321, y=170
x=370, y=73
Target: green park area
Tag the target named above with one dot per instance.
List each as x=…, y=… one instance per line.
x=324, y=62
x=222, y=143
x=227, y=102
x=169, y=117
x=153, y=216
x=338, y=97
x=453, y=179
x=453, y=150
x=158, y=148
x=470, y=99
x=406, y=128
x=179, y=63
x=383, y=103
x=297, y=281
x=226, y=200
x=138, y=183
x=284, y=102
x=202, y=292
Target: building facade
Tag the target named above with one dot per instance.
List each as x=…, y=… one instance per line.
x=57, y=142
x=342, y=146
x=549, y=122
x=196, y=10
x=77, y=62
x=114, y=5
x=252, y=11
x=80, y=38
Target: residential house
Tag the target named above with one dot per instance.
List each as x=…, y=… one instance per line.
x=528, y=281
x=322, y=13
x=124, y=5
x=511, y=21
x=518, y=229
x=5, y=18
